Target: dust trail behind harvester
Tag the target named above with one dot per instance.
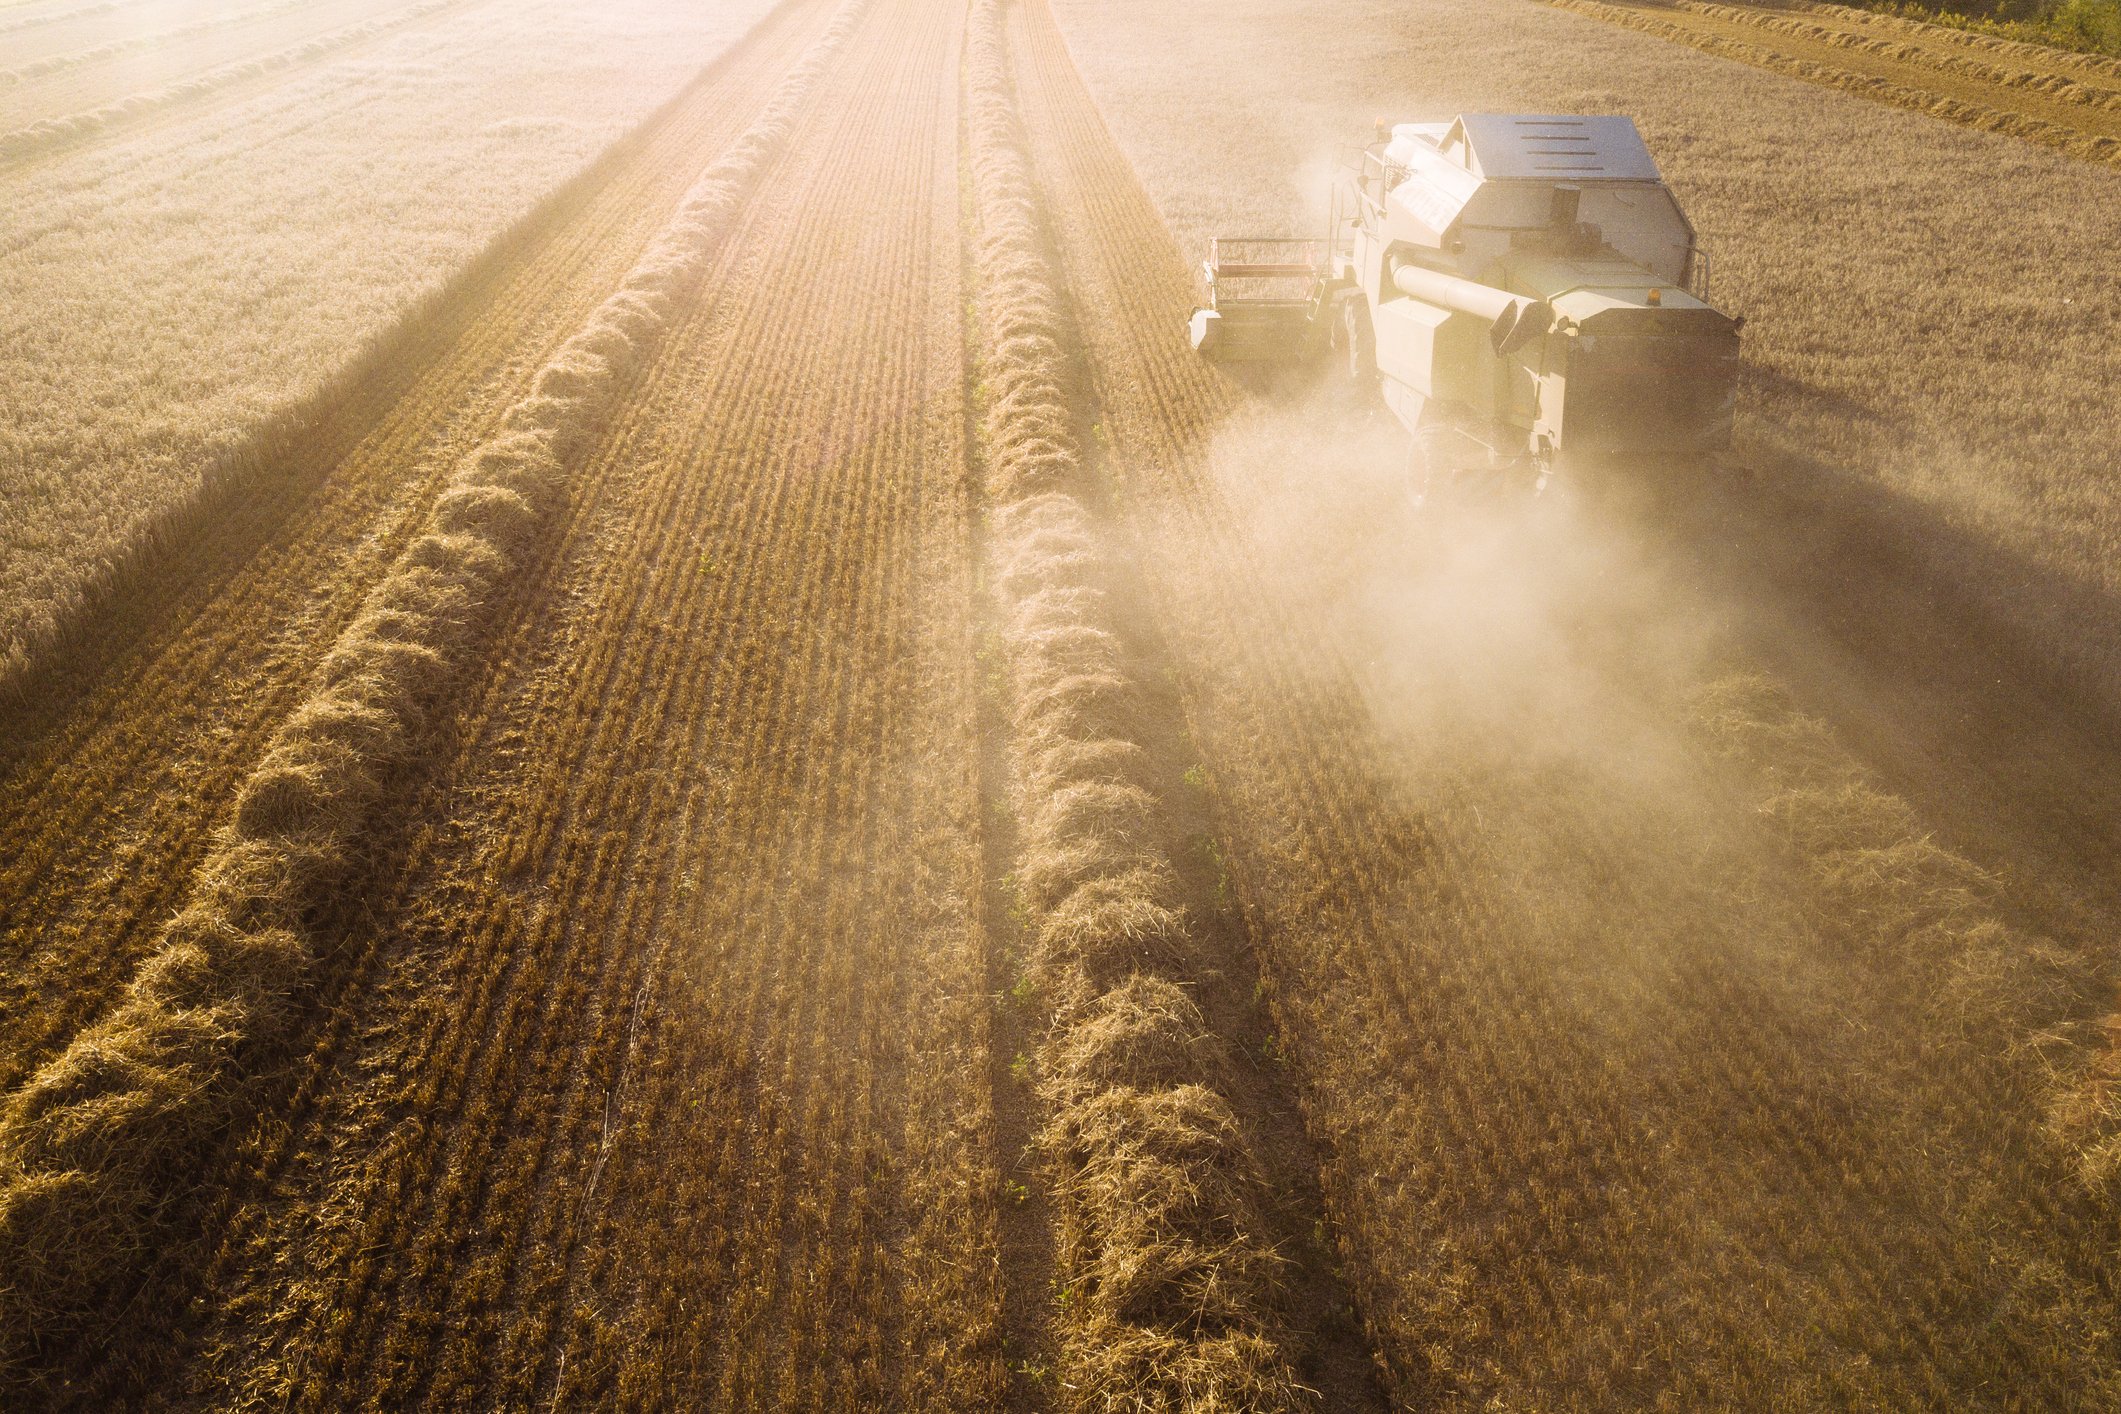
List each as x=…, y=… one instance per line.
x=1708, y=1031
x=1546, y=629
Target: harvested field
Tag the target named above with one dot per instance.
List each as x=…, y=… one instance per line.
x=663, y=748
x=1860, y=391
x=2067, y=101
x=64, y=100
x=64, y=69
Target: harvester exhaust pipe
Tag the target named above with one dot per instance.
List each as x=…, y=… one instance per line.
x=1515, y=320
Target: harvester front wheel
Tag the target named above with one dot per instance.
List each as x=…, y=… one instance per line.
x=1358, y=344
x=1351, y=365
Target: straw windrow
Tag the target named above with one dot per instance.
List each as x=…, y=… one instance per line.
x=1170, y=1286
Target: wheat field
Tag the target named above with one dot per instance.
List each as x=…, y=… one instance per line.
x=228, y=259
x=662, y=747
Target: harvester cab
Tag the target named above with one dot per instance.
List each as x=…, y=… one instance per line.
x=1523, y=292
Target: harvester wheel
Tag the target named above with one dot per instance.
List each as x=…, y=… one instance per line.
x=1436, y=480
x=1358, y=343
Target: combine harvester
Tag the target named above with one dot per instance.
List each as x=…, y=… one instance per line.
x=1523, y=291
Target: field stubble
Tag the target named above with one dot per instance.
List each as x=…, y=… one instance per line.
x=100, y=834
x=92, y=1144
x=589, y=997
x=2044, y=98
x=708, y=1124
x=1879, y=311
x=294, y=811
x=41, y=95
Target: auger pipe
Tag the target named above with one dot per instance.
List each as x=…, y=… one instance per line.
x=1513, y=319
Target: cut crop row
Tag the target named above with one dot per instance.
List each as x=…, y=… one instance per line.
x=79, y=12
x=2018, y=51
x=59, y=60
x=2093, y=147
x=1173, y=1285
x=63, y=129
x=2045, y=81
x=92, y=1145
x=110, y=802
x=671, y=1043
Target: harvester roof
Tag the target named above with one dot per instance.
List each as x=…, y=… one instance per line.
x=1458, y=185
x=1540, y=146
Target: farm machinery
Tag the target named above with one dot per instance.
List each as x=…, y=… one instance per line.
x=1524, y=293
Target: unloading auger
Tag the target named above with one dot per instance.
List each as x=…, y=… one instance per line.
x=1523, y=291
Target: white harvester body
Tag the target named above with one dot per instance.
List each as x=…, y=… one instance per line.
x=1521, y=288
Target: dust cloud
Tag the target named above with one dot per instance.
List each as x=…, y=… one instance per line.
x=1648, y=890
x=1549, y=632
